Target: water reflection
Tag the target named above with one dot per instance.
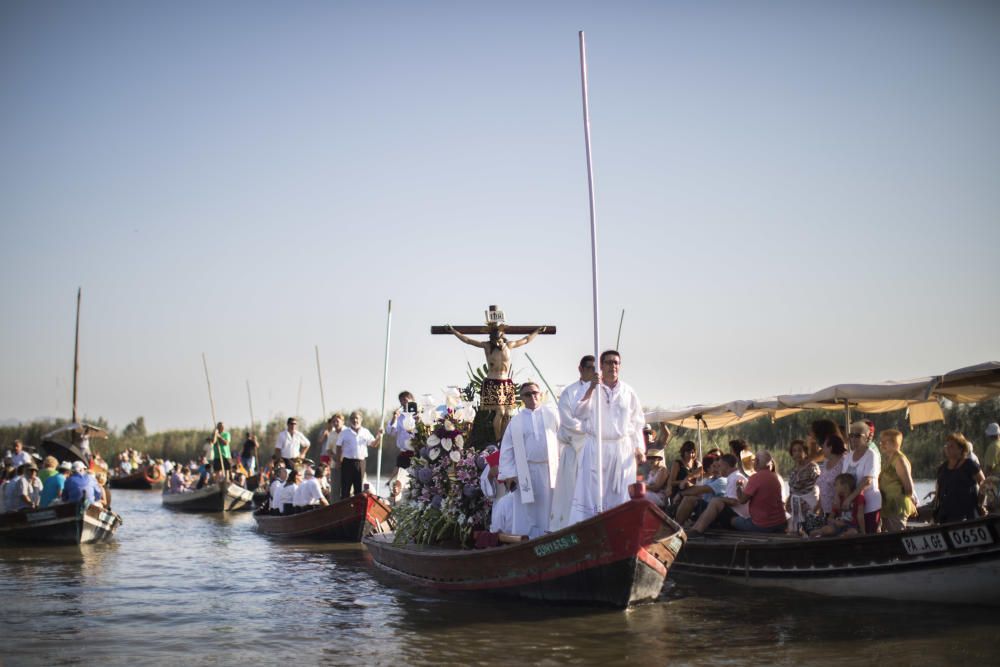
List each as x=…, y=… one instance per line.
x=209, y=589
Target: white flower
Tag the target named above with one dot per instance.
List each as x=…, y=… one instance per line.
x=433, y=441
x=428, y=417
x=446, y=443
x=459, y=441
x=409, y=423
x=449, y=425
x=434, y=454
x=451, y=397
x=455, y=455
x=467, y=413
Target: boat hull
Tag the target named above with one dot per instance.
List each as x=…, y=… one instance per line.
x=222, y=497
x=618, y=558
x=951, y=563
x=347, y=520
x=137, y=481
x=65, y=523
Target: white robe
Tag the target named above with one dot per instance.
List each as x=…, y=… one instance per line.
x=502, y=519
x=571, y=439
x=622, y=420
x=536, y=473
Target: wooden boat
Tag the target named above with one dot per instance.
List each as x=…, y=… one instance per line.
x=957, y=562
x=215, y=497
x=347, y=520
x=64, y=523
x=144, y=479
x=619, y=557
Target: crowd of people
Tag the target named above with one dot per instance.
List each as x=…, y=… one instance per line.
x=858, y=485
x=548, y=473
x=25, y=487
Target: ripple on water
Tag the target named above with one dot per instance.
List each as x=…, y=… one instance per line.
x=209, y=590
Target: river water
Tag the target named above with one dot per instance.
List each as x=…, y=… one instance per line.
x=207, y=589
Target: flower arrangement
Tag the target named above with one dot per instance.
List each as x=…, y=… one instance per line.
x=443, y=502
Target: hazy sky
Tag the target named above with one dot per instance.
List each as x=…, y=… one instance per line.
x=789, y=195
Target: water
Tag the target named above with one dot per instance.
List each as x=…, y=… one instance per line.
x=207, y=589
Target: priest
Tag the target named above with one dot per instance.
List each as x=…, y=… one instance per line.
x=622, y=446
x=571, y=439
x=528, y=454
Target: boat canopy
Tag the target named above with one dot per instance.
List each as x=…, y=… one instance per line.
x=920, y=397
x=75, y=427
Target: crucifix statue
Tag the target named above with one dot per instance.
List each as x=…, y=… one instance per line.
x=498, y=398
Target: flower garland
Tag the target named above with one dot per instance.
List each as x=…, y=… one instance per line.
x=443, y=502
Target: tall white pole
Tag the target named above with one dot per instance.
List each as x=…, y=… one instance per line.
x=211, y=401
x=385, y=381
x=322, y=400
x=76, y=355
x=593, y=261
x=253, y=427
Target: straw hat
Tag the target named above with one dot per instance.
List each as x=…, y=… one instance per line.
x=654, y=453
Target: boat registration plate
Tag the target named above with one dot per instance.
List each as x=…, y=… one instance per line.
x=970, y=537
x=559, y=544
x=924, y=544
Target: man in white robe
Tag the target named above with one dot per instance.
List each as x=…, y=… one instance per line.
x=528, y=454
x=622, y=447
x=571, y=439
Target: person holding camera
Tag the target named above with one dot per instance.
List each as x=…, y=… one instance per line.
x=401, y=427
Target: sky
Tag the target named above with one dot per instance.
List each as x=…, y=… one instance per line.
x=788, y=195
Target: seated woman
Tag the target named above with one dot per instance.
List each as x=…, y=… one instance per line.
x=680, y=470
x=656, y=478
x=958, y=481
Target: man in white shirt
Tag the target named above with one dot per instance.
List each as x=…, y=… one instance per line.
x=622, y=447
x=721, y=511
x=571, y=439
x=19, y=457
x=310, y=492
x=292, y=444
x=280, y=477
x=528, y=453
x=352, y=450
x=402, y=418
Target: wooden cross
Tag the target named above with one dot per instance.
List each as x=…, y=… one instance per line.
x=495, y=316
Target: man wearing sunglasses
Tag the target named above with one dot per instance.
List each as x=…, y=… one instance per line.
x=528, y=454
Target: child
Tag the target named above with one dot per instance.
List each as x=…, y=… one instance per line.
x=844, y=521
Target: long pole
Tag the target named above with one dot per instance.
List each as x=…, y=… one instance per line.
x=322, y=400
x=593, y=261
x=385, y=381
x=298, y=400
x=211, y=401
x=253, y=428
x=618, y=341
x=76, y=354
x=537, y=370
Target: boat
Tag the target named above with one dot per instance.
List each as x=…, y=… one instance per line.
x=619, y=558
x=144, y=479
x=213, y=497
x=347, y=520
x=949, y=563
x=62, y=523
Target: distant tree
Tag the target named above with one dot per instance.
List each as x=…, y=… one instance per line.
x=136, y=429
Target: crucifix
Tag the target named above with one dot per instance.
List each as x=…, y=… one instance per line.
x=498, y=397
